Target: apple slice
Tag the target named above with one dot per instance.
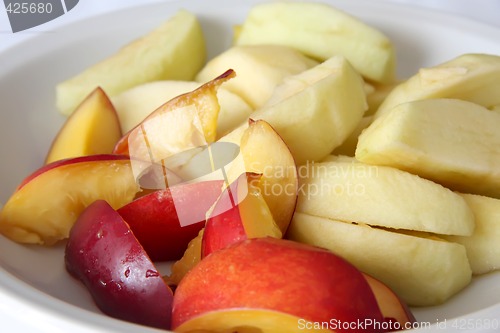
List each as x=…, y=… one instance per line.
x=470, y=77
x=260, y=69
x=104, y=254
x=184, y=123
x=321, y=31
x=240, y=213
x=421, y=268
x=457, y=148
x=44, y=207
x=137, y=103
x=154, y=218
x=316, y=110
x=92, y=129
x=279, y=181
x=280, y=279
x=483, y=246
x=175, y=50
x=389, y=303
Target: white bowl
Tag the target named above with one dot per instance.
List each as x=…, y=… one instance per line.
x=35, y=290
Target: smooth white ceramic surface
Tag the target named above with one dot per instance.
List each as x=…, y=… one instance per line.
x=36, y=294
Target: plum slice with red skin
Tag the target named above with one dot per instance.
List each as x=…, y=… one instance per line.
x=104, y=254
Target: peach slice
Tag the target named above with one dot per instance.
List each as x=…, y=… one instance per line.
x=176, y=125
x=278, y=277
x=264, y=152
x=240, y=213
x=93, y=128
x=104, y=254
x=44, y=207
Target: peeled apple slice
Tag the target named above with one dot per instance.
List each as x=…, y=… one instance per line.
x=259, y=69
x=452, y=142
x=422, y=271
x=381, y=196
x=321, y=31
x=470, y=77
x=175, y=51
x=483, y=246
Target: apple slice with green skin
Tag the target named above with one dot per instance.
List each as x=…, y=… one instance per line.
x=104, y=254
x=44, y=207
x=240, y=213
x=279, y=278
x=175, y=51
x=92, y=129
x=154, y=218
x=390, y=304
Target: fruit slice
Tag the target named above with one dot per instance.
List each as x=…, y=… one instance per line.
x=92, y=129
x=183, y=124
x=483, y=247
x=155, y=218
x=456, y=149
x=382, y=196
x=135, y=104
x=240, y=213
x=104, y=254
x=390, y=304
x=470, y=77
x=321, y=31
x=348, y=147
x=316, y=110
x=191, y=258
x=278, y=184
x=422, y=271
x=277, y=275
x=175, y=51
x=187, y=121
x=260, y=69
x=45, y=206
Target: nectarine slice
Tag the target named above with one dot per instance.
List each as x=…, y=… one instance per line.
x=44, y=207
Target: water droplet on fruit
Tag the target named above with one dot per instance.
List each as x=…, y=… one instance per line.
x=127, y=272
x=100, y=233
x=102, y=283
x=150, y=273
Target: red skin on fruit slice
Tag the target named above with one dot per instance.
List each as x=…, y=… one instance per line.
x=104, y=254
x=154, y=218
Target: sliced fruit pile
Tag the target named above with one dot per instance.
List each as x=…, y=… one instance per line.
x=213, y=163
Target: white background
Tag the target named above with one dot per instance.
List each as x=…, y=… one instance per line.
x=487, y=11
